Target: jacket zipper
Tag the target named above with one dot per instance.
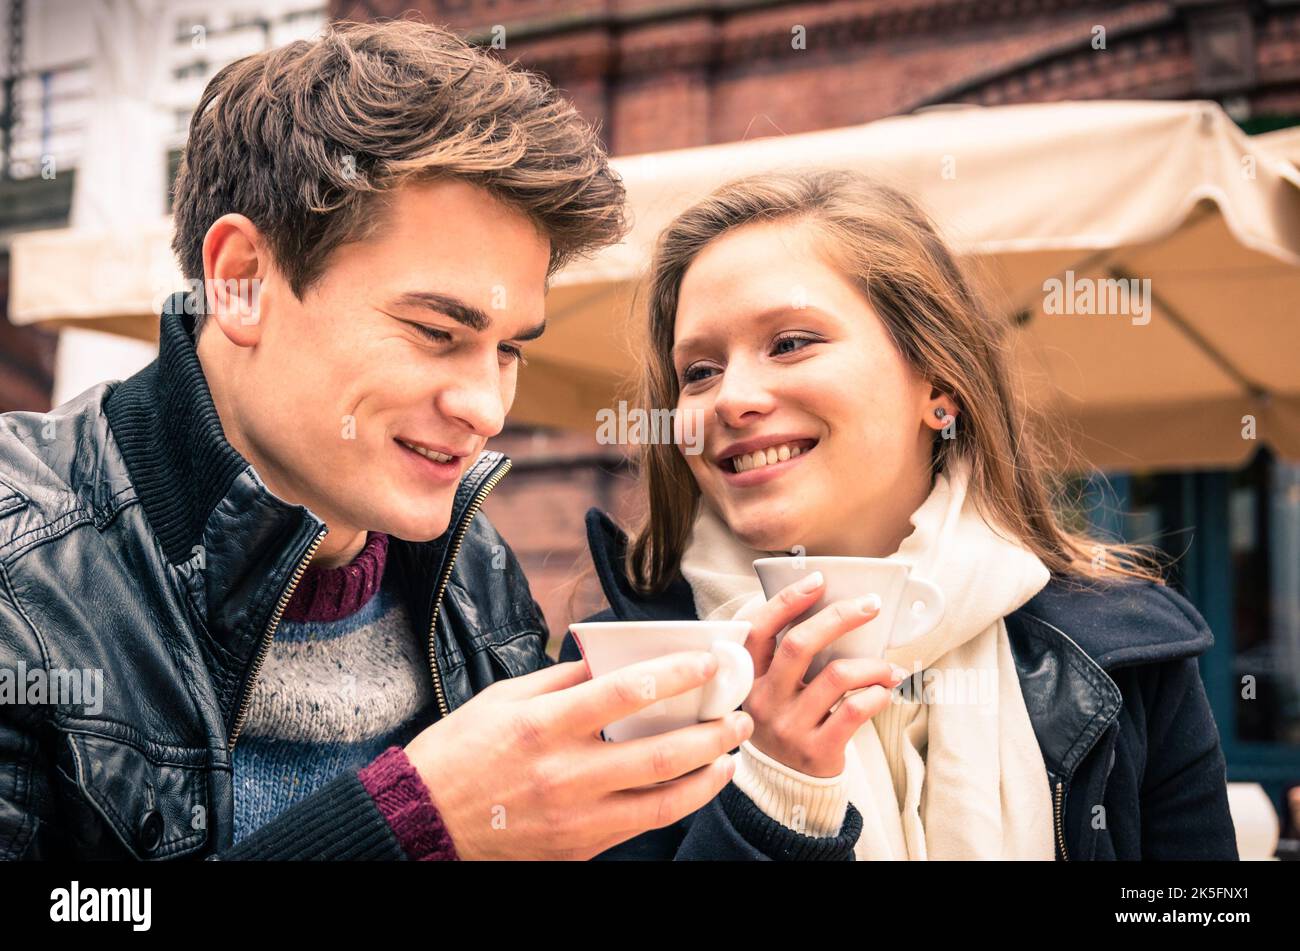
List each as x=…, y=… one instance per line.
x=1056, y=814
x=1057, y=805
x=459, y=537
x=265, y=646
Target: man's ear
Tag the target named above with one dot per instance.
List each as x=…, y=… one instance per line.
x=235, y=264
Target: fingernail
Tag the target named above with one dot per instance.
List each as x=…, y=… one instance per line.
x=708, y=664
x=743, y=725
x=869, y=604
x=811, y=583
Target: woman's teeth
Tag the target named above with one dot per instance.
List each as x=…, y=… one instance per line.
x=764, y=457
x=435, y=456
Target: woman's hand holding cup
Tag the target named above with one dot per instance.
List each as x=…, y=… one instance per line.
x=793, y=721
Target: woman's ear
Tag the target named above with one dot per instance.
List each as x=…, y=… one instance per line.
x=941, y=409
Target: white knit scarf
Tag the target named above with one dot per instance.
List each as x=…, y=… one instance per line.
x=954, y=772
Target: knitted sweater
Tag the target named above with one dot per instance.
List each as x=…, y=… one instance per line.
x=344, y=687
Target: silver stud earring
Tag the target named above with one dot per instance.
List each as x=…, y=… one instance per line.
x=940, y=413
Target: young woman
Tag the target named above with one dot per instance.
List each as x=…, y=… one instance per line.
x=855, y=399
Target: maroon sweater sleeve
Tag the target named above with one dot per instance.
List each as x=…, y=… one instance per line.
x=404, y=801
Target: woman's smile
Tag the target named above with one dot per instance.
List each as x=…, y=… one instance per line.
x=762, y=459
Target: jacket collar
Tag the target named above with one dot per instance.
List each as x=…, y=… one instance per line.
x=1069, y=696
x=1072, y=635
x=169, y=433
x=234, y=544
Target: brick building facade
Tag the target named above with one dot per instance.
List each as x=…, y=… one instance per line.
x=661, y=76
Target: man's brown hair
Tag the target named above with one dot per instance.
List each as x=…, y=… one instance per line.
x=305, y=140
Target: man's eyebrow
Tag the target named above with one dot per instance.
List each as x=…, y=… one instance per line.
x=459, y=311
x=532, y=333
x=452, y=307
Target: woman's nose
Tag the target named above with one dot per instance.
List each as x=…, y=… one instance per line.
x=743, y=395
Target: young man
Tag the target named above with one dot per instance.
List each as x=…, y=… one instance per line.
x=252, y=582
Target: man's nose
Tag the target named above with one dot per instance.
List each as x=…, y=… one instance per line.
x=474, y=399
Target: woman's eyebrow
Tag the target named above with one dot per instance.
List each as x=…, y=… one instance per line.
x=459, y=311
x=686, y=345
x=782, y=311
x=768, y=315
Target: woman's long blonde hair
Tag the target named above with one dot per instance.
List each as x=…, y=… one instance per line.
x=883, y=242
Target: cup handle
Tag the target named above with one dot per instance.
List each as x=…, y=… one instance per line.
x=913, y=624
x=730, y=685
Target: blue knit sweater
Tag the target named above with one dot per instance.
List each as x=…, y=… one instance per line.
x=345, y=679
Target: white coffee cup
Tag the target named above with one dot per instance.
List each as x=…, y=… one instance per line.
x=909, y=607
x=610, y=645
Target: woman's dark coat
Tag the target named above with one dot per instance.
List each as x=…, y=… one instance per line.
x=1112, y=687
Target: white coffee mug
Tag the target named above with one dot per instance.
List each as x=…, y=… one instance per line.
x=610, y=645
x=909, y=607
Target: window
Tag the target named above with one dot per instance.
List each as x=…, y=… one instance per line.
x=1264, y=559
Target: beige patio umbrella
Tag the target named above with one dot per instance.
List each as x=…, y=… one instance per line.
x=1167, y=193
x=1283, y=142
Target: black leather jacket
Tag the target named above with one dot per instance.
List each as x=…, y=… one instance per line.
x=1112, y=687
x=136, y=541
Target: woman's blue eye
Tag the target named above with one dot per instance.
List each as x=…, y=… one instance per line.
x=692, y=374
x=784, y=340
x=695, y=373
